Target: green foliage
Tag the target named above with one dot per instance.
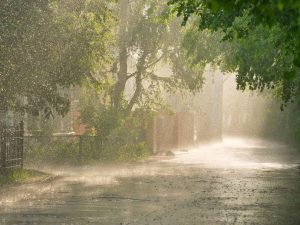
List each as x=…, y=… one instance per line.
x=132, y=152
x=265, y=37
x=112, y=134
x=258, y=40
x=216, y=14
x=261, y=60
x=49, y=45
x=83, y=150
x=49, y=149
x=148, y=39
x=46, y=128
x=14, y=176
x=109, y=123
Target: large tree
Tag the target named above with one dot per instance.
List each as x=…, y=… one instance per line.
x=148, y=38
x=265, y=37
x=46, y=46
x=258, y=40
x=220, y=14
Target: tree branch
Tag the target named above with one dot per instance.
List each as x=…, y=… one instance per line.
x=149, y=65
x=159, y=78
x=156, y=61
x=138, y=89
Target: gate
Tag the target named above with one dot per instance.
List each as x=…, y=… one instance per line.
x=11, y=146
x=171, y=132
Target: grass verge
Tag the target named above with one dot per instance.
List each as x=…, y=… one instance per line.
x=16, y=176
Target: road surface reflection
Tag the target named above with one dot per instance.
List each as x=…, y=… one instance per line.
x=240, y=181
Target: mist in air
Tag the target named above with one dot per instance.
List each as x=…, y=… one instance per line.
x=146, y=112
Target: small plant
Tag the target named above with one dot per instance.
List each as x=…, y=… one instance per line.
x=14, y=176
x=50, y=149
x=132, y=152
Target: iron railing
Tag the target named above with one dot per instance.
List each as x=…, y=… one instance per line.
x=11, y=146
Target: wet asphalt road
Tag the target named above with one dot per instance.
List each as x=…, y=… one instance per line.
x=241, y=181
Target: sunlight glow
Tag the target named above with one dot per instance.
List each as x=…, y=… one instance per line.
x=237, y=153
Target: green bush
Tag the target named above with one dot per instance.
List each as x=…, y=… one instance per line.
x=132, y=152
x=55, y=150
x=85, y=149
x=94, y=149
x=14, y=176
x=111, y=136
x=122, y=136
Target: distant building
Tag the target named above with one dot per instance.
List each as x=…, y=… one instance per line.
x=70, y=124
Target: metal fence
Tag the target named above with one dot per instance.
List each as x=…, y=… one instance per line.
x=11, y=146
x=18, y=150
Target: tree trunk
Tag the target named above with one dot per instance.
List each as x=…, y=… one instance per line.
x=138, y=89
x=138, y=82
x=119, y=87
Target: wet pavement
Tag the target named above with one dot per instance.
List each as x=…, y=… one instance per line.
x=240, y=181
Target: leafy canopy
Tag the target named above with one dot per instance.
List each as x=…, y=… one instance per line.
x=47, y=46
x=264, y=39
